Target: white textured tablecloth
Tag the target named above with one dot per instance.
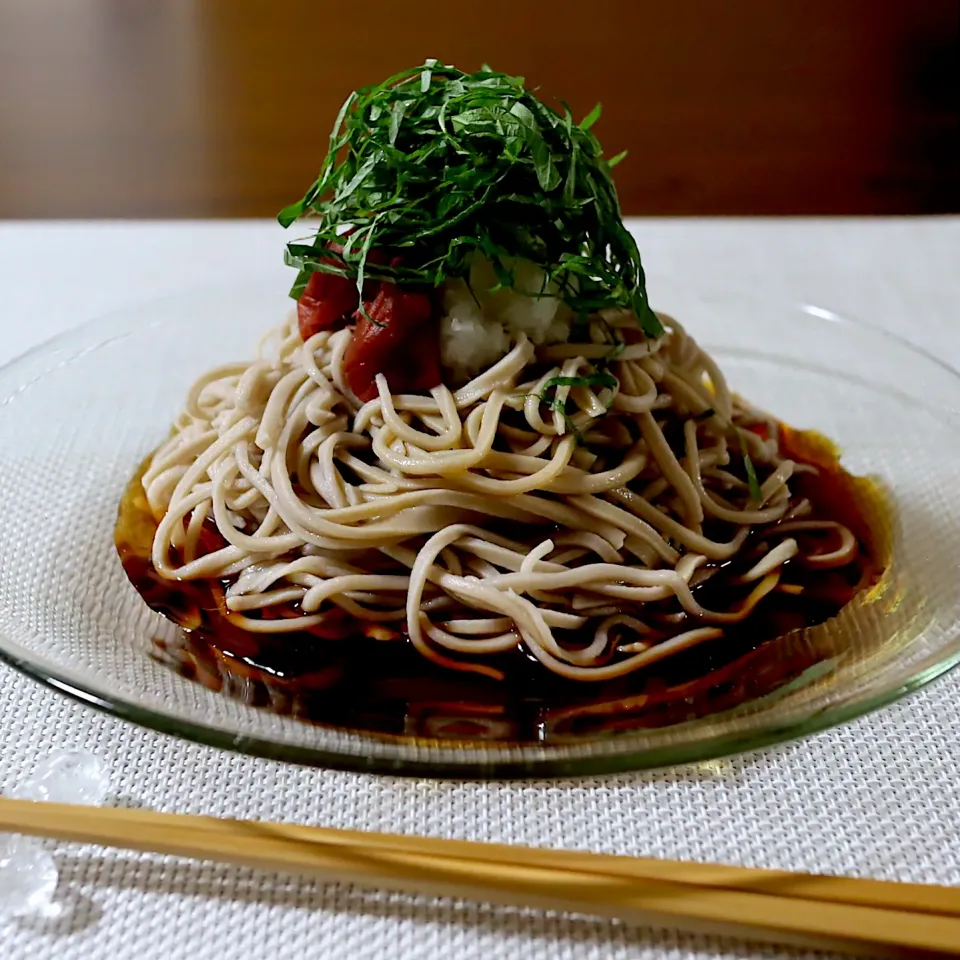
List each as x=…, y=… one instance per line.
x=879, y=797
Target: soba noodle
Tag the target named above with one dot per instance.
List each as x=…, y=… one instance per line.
x=509, y=509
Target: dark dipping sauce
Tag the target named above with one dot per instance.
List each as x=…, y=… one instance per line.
x=387, y=688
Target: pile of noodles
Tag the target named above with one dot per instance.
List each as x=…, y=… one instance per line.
x=508, y=510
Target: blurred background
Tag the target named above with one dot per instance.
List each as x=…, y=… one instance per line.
x=221, y=108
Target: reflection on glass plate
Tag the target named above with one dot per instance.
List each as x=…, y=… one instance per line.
x=77, y=415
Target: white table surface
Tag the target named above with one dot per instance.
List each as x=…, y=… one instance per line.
x=879, y=797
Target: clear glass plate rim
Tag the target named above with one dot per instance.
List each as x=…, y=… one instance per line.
x=479, y=767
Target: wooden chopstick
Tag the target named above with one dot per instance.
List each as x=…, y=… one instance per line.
x=869, y=917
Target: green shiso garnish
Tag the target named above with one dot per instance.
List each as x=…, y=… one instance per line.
x=435, y=165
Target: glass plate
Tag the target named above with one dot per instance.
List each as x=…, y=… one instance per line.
x=79, y=413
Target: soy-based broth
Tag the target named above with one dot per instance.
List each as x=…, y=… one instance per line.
x=385, y=687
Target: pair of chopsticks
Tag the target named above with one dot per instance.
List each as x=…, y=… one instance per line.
x=867, y=917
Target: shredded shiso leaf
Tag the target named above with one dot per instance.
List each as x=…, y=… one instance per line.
x=435, y=166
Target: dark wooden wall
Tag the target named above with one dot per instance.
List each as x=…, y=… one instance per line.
x=197, y=108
